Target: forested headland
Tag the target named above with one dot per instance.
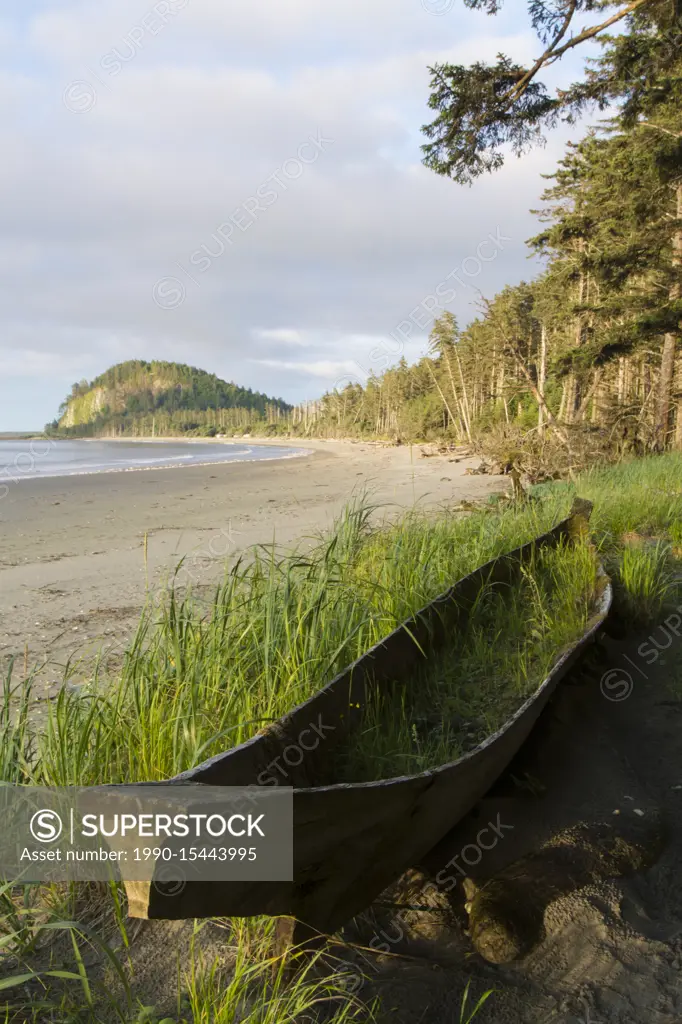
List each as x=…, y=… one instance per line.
x=148, y=399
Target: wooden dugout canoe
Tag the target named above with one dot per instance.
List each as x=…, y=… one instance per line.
x=351, y=841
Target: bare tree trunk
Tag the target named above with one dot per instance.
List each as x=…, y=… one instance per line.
x=580, y=298
x=513, y=350
x=590, y=392
x=678, y=424
x=561, y=434
x=568, y=398
x=542, y=375
x=594, y=412
x=665, y=381
x=621, y=381
x=444, y=399
x=452, y=379
x=562, y=405
x=465, y=399
x=662, y=425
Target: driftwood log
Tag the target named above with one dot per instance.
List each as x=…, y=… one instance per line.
x=351, y=841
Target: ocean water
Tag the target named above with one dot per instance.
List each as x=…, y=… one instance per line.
x=21, y=460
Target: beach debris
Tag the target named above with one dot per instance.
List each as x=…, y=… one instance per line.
x=431, y=450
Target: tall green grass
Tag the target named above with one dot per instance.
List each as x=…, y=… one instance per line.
x=260, y=991
x=195, y=681
x=637, y=525
x=512, y=637
x=643, y=582
x=640, y=495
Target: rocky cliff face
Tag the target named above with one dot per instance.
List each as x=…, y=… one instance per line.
x=84, y=408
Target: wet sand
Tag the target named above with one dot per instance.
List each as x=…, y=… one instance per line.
x=72, y=549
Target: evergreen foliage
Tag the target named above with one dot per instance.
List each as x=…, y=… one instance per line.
x=484, y=107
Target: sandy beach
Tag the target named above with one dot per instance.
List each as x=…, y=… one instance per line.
x=72, y=549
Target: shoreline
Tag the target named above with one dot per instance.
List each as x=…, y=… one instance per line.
x=135, y=469
x=302, y=447
x=80, y=553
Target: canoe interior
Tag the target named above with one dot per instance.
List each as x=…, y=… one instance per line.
x=351, y=841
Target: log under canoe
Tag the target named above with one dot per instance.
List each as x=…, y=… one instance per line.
x=352, y=840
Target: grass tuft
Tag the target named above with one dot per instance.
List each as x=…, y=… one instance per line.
x=644, y=581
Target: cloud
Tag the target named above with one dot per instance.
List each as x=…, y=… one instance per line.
x=114, y=191
x=279, y=335
x=325, y=369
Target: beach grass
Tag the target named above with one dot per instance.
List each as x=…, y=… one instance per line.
x=642, y=496
x=513, y=636
x=250, y=986
x=644, y=580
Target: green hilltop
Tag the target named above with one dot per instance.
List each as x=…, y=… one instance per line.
x=139, y=399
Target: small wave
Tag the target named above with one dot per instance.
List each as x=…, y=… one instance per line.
x=150, y=462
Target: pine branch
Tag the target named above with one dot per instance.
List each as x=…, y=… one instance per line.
x=552, y=54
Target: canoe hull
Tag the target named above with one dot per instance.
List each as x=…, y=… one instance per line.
x=351, y=841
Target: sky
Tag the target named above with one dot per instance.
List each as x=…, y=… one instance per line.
x=239, y=186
